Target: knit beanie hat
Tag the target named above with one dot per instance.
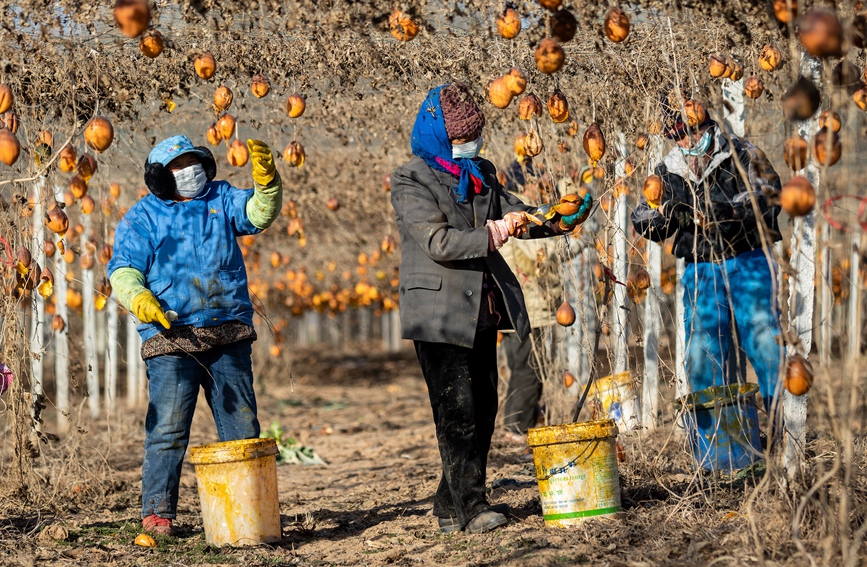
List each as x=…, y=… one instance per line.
x=462, y=115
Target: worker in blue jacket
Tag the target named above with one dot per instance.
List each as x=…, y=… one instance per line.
x=178, y=268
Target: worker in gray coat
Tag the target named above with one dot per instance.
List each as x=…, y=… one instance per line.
x=456, y=290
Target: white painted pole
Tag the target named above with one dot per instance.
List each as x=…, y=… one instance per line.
x=61, y=344
x=133, y=360
x=588, y=295
x=111, y=356
x=385, y=323
x=651, y=315
x=91, y=359
x=683, y=386
x=827, y=299
x=620, y=313
x=571, y=276
x=855, y=300
x=38, y=313
x=733, y=93
x=394, y=326
x=801, y=294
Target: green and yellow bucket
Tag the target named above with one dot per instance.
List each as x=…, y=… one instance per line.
x=576, y=468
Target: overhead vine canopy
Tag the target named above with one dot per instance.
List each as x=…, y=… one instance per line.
x=66, y=61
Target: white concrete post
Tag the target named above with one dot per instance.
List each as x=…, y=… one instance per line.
x=855, y=300
x=394, y=328
x=385, y=323
x=133, y=360
x=651, y=313
x=801, y=293
x=683, y=386
x=620, y=313
x=571, y=276
x=61, y=344
x=363, y=324
x=91, y=348
x=111, y=356
x=588, y=298
x=733, y=93
x=37, y=329
x=827, y=299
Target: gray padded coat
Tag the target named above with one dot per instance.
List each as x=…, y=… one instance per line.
x=444, y=254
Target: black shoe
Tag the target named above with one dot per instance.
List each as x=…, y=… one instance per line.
x=485, y=522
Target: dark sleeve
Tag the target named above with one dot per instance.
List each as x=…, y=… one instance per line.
x=418, y=214
x=753, y=201
x=649, y=222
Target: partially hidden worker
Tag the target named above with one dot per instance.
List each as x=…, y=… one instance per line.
x=178, y=268
x=719, y=205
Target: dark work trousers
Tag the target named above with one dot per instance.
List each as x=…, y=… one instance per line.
x=462, y=384
x=525, y=383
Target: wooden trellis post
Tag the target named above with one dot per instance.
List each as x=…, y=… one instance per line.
x=91, y=353
x=620, y=307
x=803, y=261
x=651, y=314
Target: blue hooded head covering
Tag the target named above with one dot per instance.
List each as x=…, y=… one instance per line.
x=431, y=143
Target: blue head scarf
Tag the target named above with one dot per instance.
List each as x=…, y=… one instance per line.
x=431, y=143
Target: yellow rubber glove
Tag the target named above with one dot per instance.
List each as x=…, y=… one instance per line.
x=262, y=161
x=146, y=307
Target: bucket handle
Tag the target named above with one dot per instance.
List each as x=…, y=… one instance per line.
x=570, y=464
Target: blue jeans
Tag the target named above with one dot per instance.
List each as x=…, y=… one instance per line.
x=743, y=287
x=226, y=374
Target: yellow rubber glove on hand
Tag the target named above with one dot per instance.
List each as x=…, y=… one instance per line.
x=146, y=307
x=262, y=161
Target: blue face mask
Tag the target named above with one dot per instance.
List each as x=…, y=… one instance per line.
x=468, y=150
x=700, y=148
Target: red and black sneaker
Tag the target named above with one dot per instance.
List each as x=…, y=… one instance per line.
x=157, y=526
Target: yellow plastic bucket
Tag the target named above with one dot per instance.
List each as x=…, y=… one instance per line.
x=576, y=468
x=238, y=491
x=614, y=397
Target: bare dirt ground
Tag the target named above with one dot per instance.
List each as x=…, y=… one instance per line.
x=368, y=416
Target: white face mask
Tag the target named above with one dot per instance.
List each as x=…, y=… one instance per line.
x=468, y=150
x=190, y=181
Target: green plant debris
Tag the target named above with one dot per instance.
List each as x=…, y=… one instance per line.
x=291, y=451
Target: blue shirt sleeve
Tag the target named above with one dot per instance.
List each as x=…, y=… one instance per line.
x=133, y=246
x=235, y=205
